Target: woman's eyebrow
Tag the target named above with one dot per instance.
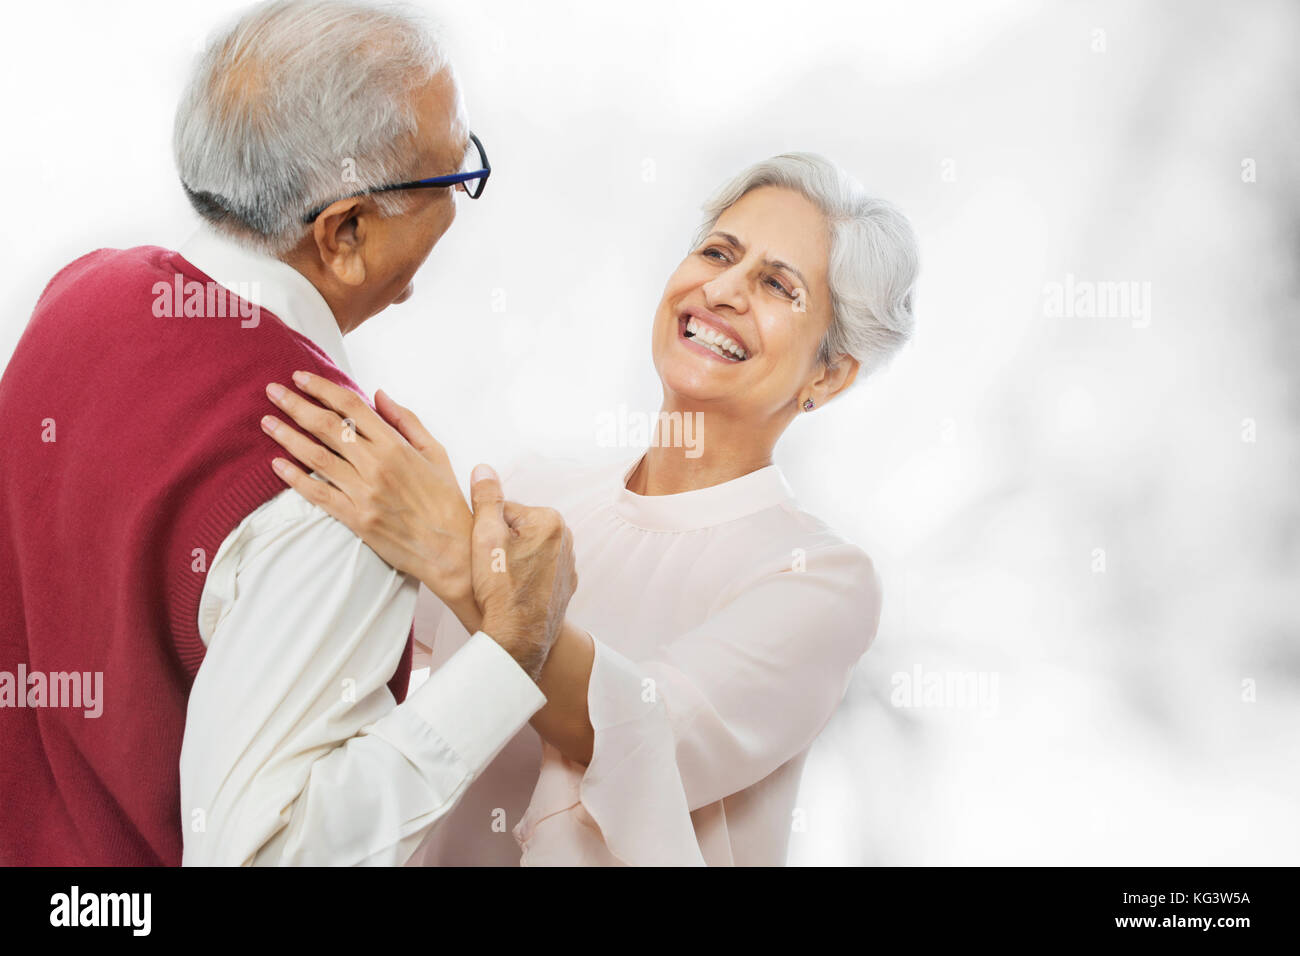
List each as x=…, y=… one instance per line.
x=775, y=263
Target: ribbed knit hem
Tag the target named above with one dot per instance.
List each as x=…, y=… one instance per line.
x=253, y=489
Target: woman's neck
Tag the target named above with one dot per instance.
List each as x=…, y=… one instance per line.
x=712, y=452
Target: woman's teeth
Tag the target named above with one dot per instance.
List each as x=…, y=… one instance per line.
x=716, y=341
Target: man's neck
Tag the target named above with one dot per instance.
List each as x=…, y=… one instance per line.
x=309, y=268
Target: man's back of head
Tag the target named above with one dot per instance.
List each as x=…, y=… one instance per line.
x=303, y=107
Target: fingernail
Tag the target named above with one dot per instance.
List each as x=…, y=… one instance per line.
x=269, y=424
x=481, y=473
x=275, y=391
x=302, y=378
x=280, y=465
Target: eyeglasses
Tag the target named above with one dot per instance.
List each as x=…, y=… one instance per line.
x=473, y=176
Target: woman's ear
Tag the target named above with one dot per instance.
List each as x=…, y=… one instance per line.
x=830, y=381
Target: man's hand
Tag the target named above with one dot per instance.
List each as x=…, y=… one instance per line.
x=522, y=571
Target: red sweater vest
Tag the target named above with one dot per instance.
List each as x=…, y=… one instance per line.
x=129, y=450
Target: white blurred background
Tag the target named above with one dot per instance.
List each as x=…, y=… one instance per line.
x=1090, y=514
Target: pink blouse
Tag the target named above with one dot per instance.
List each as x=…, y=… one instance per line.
x=727, y=625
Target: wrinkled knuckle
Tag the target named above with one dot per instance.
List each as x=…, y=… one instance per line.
x=318, y=459
x=484, y=533
x=323, y=423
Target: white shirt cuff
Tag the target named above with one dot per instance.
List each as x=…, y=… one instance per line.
x=478, y=700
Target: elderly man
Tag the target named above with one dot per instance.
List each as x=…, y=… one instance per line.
x=254, y=653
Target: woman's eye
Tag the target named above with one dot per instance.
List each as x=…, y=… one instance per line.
x=714, y=254
x=776, y=284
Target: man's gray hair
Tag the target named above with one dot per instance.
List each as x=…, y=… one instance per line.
x=297, y=105
x=873, y=254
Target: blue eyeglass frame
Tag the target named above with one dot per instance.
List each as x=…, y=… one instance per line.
x=479, y=177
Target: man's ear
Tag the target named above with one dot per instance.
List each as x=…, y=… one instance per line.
x=339, y=232
x=831, y=380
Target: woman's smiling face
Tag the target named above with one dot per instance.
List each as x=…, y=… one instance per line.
x=741, y=319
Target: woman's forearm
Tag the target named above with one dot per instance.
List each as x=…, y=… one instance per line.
x=465, y=611
x=565, y=722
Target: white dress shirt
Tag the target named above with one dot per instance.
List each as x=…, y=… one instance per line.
x=295, y=751
x=727, y=625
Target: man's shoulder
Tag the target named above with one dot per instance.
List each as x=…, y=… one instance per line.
x=150, y=308
x=105, y=265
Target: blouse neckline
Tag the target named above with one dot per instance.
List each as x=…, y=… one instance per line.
x=703, y=507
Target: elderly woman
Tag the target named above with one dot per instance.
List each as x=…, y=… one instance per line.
x=715, y=624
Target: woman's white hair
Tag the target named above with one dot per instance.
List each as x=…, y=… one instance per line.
x=297, y=105
x=873, y=254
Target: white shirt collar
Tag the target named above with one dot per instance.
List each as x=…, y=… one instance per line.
x=272, y=285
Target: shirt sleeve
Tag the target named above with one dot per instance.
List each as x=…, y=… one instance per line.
x=295, y=751
x=717, y=709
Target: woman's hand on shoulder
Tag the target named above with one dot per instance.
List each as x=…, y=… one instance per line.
x=386, y=478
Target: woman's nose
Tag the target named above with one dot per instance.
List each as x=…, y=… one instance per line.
x=726, y=288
